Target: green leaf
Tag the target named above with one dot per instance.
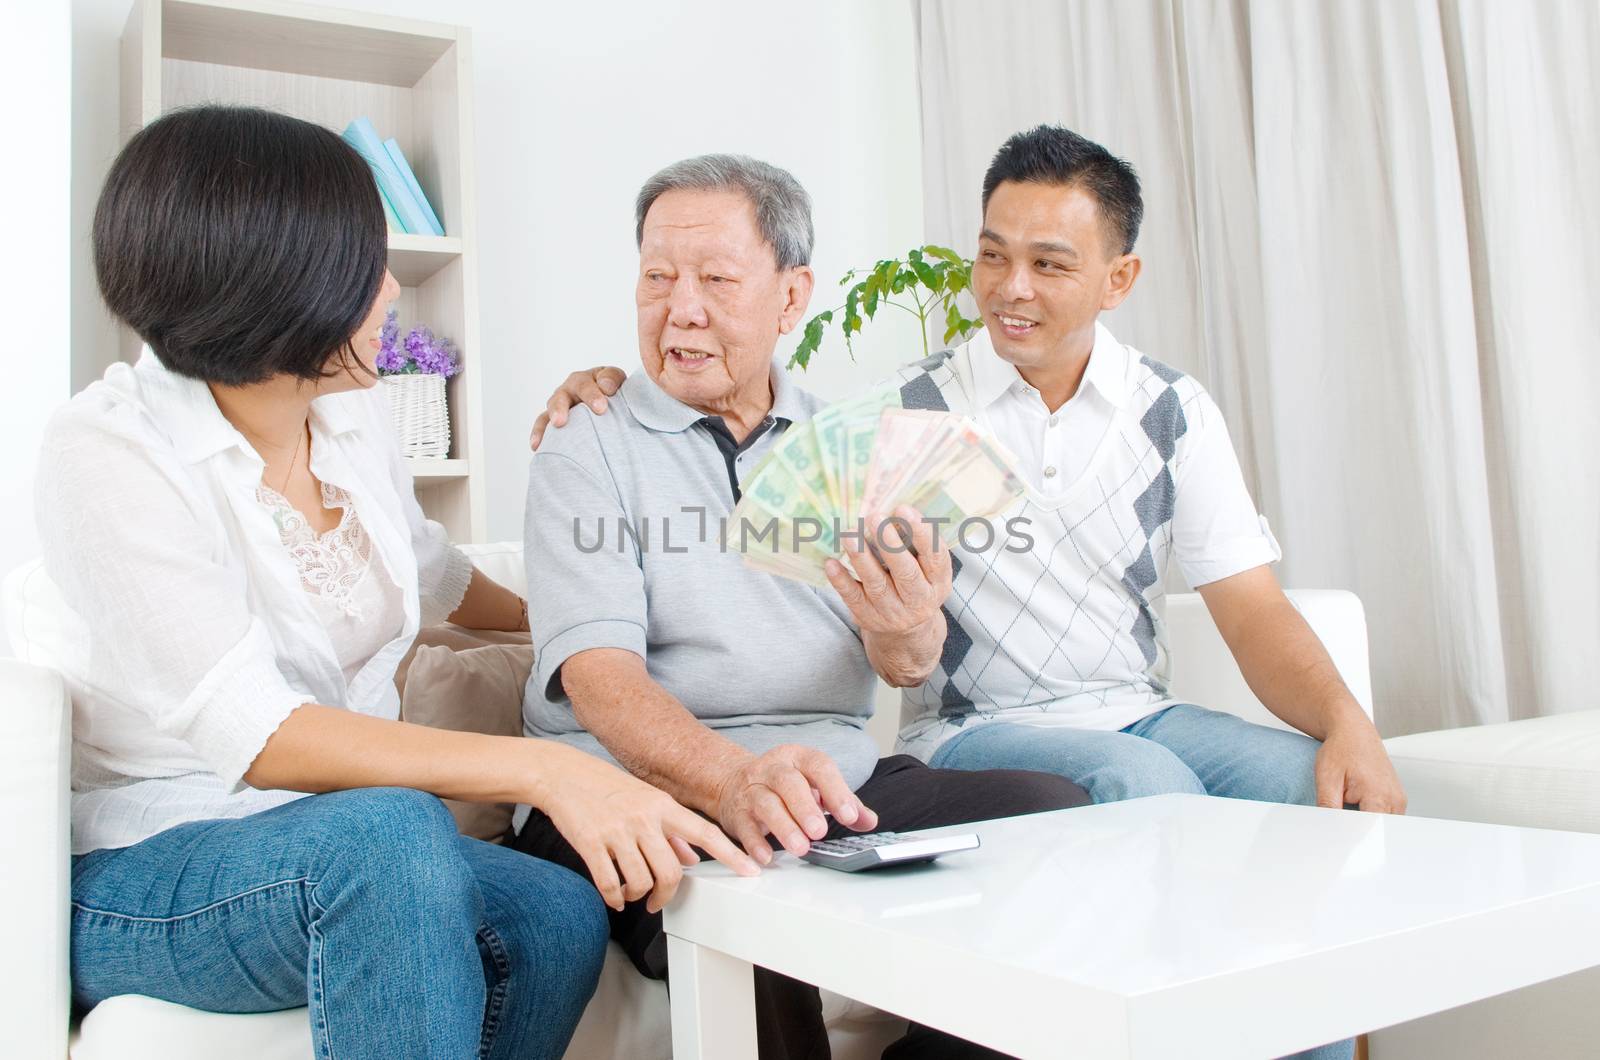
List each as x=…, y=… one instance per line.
x=944, y=254
x=886, y=273
x=953, y=321
x=806, y=347
x=810, y=339
x=957, y=280
x=914, y=256
x=924, y=272
x=852, y=318
x=870, y=292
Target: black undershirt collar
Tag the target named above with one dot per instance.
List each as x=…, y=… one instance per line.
x=730, y=449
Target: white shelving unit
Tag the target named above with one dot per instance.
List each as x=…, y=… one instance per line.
x=326, y=65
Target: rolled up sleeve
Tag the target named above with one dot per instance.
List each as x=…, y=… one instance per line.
x=443, y=573
x=582, y=594
x=1216, y=530
x=171, y=630
x=237, y=706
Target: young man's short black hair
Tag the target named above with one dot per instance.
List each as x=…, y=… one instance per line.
x=241, y=244
x=1050, y=154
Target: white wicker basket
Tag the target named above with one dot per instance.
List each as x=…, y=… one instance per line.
x=421, y=414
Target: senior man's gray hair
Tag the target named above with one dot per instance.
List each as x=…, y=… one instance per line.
x=783, y=209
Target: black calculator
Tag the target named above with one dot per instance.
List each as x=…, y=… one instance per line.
x=857, y=853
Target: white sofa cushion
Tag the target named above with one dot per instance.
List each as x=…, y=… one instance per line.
x=42, y=629
x=1539, y=773
x=502, y=561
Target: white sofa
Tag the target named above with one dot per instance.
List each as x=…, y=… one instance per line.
x=628, y=1016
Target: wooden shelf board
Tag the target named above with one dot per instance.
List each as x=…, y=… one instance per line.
x=296, y=39
x=413, y=259
x=425, y=468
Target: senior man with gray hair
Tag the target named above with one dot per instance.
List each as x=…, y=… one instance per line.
x=742, y=695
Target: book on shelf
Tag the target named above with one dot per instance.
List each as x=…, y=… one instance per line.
x=393, y=219
x=398, y=157
x=361, y=135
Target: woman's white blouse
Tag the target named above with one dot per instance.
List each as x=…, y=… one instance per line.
x=202, y=636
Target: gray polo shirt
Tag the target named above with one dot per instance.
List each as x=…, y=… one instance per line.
x=763, y=660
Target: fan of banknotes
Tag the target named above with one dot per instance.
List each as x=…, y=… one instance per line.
x=850, y=468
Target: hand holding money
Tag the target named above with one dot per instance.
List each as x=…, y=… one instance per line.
x=903, y=582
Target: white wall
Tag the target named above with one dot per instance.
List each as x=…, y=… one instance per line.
x=576, y=105
x=35, y=188
x=96, y=32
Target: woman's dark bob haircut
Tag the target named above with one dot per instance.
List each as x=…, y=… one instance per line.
x=241, y=244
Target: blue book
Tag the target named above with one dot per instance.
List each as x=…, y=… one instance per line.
x=360, y=135
x=393, y=219
x=399, y=159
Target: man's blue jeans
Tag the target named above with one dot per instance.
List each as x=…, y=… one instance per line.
x=404, y=938
x=1181, y=749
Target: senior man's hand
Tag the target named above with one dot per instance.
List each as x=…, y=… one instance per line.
x=783, y=793
x=590, y=387
x=899, y=601
x=903, y=583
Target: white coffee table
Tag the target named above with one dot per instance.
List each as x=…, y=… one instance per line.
x=1177, y=926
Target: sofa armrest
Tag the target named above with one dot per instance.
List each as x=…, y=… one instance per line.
x=35, y=715
x=1203, y=670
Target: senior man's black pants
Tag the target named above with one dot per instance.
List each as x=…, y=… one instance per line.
x=907, y=795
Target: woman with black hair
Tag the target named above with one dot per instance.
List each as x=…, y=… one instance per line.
x=231, y=523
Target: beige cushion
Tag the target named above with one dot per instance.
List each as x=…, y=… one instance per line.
x=456, y=638
x=454, y=680
x=1538, y=773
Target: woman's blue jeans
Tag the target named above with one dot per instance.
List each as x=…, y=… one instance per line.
x=404, y=938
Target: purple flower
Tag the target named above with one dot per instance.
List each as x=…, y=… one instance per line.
x=420, y=352
x=432, y=356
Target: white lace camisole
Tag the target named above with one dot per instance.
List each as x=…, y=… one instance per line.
x=358, y=603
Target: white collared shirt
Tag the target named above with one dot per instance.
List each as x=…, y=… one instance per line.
x=1053, y=449
x=1056, y=619
x=198, y=638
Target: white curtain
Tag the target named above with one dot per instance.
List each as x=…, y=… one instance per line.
x=1372, y=231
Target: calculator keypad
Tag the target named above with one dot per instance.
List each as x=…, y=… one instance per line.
x=855, y=844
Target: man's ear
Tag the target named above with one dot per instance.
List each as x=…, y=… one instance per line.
x=1124, y=270
x=796, y=286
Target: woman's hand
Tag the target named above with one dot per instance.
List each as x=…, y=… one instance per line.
x=634, y=838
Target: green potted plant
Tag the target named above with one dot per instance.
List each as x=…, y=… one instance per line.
x=924, y=283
